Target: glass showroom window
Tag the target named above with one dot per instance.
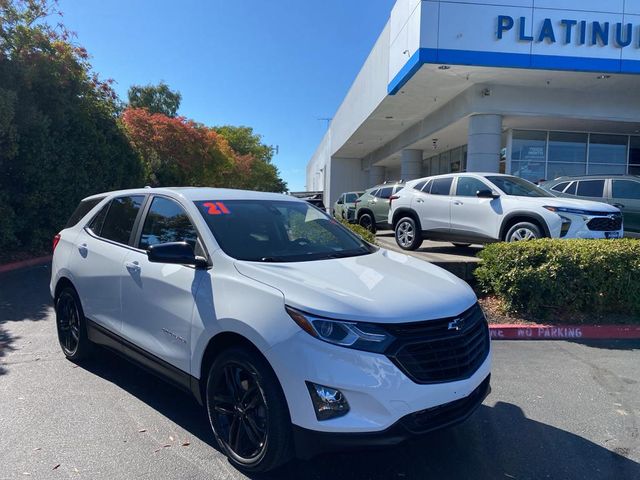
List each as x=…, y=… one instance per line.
x=456, y=160
x=634, y=156
x=567, y=154
x=445, y=162
x=607, y=154
x=528, y=154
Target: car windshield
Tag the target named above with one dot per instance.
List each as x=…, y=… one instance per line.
x=279, y=231
x=518, y=187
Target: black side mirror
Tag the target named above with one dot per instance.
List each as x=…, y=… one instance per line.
x=487, y=194
x=180, y=253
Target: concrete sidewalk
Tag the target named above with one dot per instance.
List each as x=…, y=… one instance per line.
x=457, y=260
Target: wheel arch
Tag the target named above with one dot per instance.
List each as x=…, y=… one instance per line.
x=524, y=216
x=217, y=344
x=62, y=282
x=362, y=211
x=405, y=212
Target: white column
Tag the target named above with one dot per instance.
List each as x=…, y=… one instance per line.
x=411, y=164
x=376, y=175
x=484, y=143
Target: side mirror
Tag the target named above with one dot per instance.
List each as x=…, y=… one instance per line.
x=340, y=202
x=180, y=253
x=487, y=194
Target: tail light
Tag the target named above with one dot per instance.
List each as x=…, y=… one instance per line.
x=392, y=198
x=356, y=202
x=56, y=240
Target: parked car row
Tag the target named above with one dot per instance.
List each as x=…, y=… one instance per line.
x=466, y=208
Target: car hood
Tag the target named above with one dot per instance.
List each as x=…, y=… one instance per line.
x=568, y=203
x=385, y=287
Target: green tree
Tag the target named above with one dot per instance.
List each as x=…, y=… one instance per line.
x=60, y=139
x=264, y=175
x=155, y=98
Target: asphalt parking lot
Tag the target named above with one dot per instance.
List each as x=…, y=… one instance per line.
x=558, y=410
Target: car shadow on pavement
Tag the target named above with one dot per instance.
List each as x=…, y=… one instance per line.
x=23, y=296
x=497, y=442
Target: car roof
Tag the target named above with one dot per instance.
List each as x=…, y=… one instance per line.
x=568, y=178
x=202, y=193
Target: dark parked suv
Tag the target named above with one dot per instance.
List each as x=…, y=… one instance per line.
x=622, y=191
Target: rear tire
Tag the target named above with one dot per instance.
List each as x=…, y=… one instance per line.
x=248, y=412
x=523, y=231
x=72, y=326
x=366, y=221
x=408, y=237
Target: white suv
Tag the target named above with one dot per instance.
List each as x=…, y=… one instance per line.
x=466, y=208
x=296, y=335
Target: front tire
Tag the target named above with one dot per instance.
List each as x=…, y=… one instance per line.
x=523, y=231
x=408, y=237
x=248, y=411
x=72, y=326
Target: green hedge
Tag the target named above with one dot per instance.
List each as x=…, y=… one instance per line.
x=547, y=276
x=365, y=234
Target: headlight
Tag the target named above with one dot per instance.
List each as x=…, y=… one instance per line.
x=358, y=335
x=575, y=211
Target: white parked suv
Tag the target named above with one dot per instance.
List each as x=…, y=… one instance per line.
x=466, y=208
x=296, y=335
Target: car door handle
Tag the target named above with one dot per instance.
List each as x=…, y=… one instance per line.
x=82, y=248
x=458, y=202
x=419, y=200
x=132, y=266
x=618, y=205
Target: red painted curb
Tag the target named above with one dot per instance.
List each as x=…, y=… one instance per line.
x=8, y=267
x=564, y=332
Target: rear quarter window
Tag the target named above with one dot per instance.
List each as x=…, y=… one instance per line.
x=84, y=207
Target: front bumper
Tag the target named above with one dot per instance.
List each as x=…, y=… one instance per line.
x=309, y=443
x=590, y=226
x=378, y=392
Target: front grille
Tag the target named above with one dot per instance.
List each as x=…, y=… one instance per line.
x=605, y=224
x=444, y=350
x=448, y=414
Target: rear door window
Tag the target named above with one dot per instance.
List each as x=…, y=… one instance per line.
x=590, y=188
x=120, y=218
x=442, y=186
x=384, y=192
x=81, y=210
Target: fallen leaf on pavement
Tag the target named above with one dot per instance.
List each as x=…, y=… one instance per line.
x=142, y=430
x=171, y=438
x=186, y=444
x=54, y=468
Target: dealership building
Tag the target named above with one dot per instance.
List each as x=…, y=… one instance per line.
x=535, y=88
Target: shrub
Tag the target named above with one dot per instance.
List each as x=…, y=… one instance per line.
x=362, y=232
x=567, y=276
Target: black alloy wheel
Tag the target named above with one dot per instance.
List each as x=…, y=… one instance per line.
x=70, y=323
x=248, y=412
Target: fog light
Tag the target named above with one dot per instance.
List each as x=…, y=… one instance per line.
x=327, y=402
